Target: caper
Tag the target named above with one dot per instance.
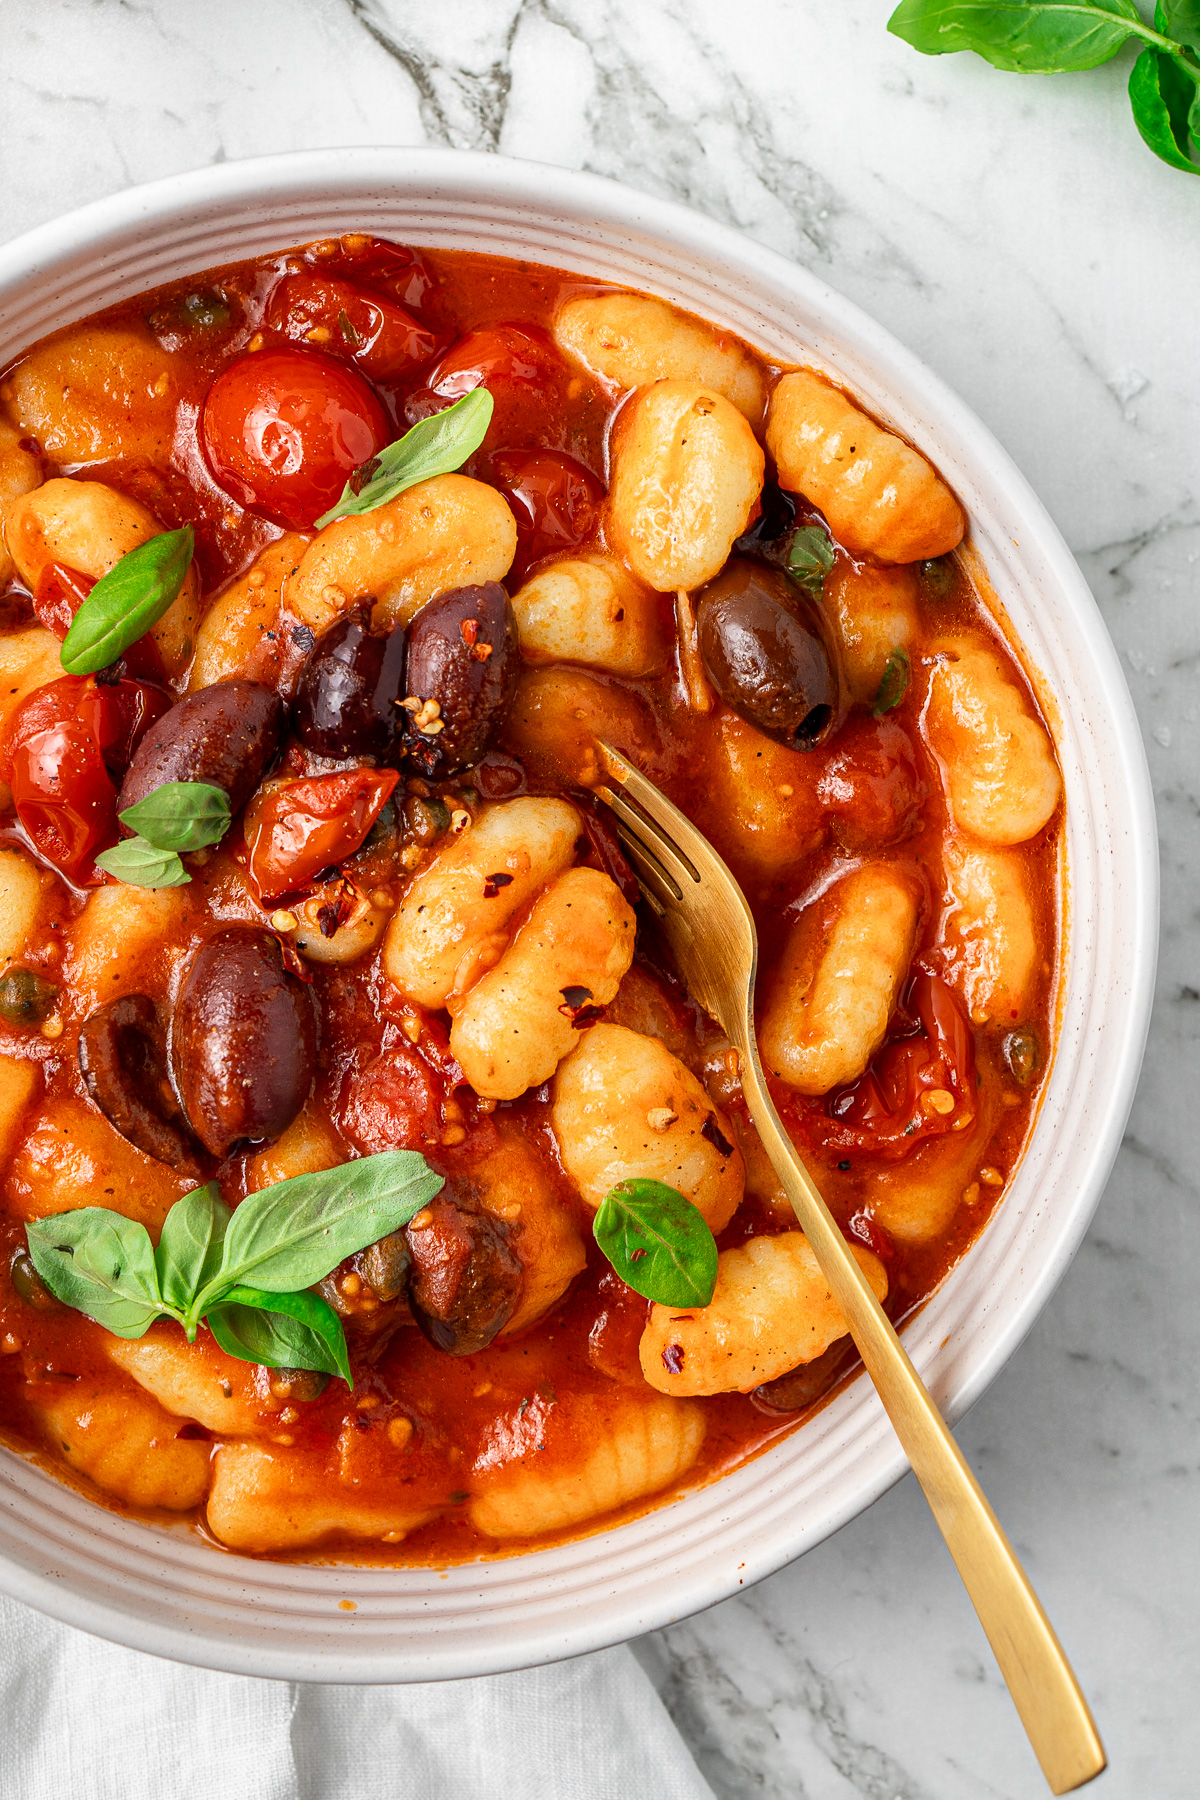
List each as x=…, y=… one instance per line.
x=300, y=1385
x=382, y=829
x=426, y=819
x=1022, y=1055
x=29, y=1284
x=385, y=1265
x=25, y=999
x=207, y=310
x=938, y=576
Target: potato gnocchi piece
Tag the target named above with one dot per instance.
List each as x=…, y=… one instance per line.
x=239, y=636
x=195, y=1381
x=762, y=1183
x=624, y=1106
x=585, y=609
x=1002, y=782
x=89, y=527
x=988, y=933
x=20, y=473
x=760, y=805
x=18, y=1084
x=876, y=613
x=452, y=924
x=686, y=472
x=98, y=393
x=354, y=938
x=68, y=1149
x=445, y=533
x=28, y=660
x=517, y=1023
x=127, y=1445
x=771, y=1310
x=309, y=1145
x=881, y=498
x=117, y=932
x=634, y=339
x=21, y=894
x=514, y=1185
x=916, y=1200
x=602, y=1452
x=838, y=979
x=556, y=718
x=272, y=1499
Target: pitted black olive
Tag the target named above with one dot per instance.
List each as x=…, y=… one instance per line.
x=466, y=1279
x=123, y=1061
x=227, y=735
x=244, y=1040
x=348, y=701
x=768, y=655
x=464, y=660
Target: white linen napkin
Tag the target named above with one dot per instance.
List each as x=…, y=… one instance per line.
x=85, y=1719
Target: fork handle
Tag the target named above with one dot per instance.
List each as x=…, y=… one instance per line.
x=1040, y=1679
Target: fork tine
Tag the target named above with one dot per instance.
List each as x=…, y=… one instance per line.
x=643, y=831
x=647, y=868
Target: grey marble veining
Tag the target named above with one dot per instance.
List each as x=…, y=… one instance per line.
x=1015, y=232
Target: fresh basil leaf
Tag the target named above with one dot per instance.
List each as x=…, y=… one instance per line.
x=435, y=446
x=277, y=1339
x=1165, y=108
x=1179, y=19
x=289, y=1236
x=657, y=1242
x=810, y=557
x=893, y=683
x=126, y=602
x=189, y=1246
x=102, y=1264
x=180, y=815
x=139, y=864
x=1042, y=37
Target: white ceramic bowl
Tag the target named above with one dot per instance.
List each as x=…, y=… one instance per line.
x=164, y=1590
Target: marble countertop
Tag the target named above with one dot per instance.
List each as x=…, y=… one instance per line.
x=1016, y=233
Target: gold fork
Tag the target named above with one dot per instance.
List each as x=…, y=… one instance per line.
x=705, y=919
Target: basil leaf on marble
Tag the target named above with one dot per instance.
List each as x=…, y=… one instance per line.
x=180, y=815
x=435, y=446
x=810, y=557
x=658, y=1242
x=1166, y=109
x=102, y=1264
x=893, y=683
x=139, y=864
x=126, y=602
x=282, y=1331
x=1042, y=37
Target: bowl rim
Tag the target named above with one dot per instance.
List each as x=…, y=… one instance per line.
x=98, y=231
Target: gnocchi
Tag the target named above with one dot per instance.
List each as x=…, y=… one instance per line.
x=881, y=498
x=1002, y=781
x=876, y=612
x=557, y=717
x=241, y=634
x=20, y=473
x=127, y=1445
x=988, y=933
x=266, y=1499
x=587, y=610
x=633, y=340
x=21, y=897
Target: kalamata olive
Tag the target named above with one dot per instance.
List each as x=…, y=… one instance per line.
x=767, y=655
x=770, y=533
x=244, y=1040
x=25, y=999
x=348, y=701
x=369, y=1292
x=123, y=1061
x=297, y=1385
x=29, y=1284
x=385, y=1265
x=227, y=735
x=466, y=1279
x=804, y=1387
x=463, y=663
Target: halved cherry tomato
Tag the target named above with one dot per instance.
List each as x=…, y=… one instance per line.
x=60, y=753
x=60, y=594
x=517, y=364
x=903, y=1097
x=375, y=333
x=392, y=269
x=283, y=429
x=298, y=828
x=554, y=499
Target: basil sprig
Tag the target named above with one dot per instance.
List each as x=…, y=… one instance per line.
x=435, y=446
x=179, y=815
x=893, y=683
x=809, y=559
x=1052, y=37
x=658, y=1242
x=126, y=602
x=247, y=1273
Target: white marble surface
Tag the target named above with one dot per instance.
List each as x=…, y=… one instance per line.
x=1016, y=233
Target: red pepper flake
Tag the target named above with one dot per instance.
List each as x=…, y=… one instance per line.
x=673, y=1359
x=480, y=653
x=618, y=615
x=637, y=1255
x=716, y=1137
x=493, y=883
x=470, y=631
x=579, y=1007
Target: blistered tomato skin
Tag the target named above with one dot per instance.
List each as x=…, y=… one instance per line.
x=554, y=499
x=283, y=430
x=348, y=701
x=301, y=828
x=381, y=337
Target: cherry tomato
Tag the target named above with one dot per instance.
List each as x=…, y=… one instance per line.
x=871, y=785
x=391, y=269
x=299, y=828
x=60, y=594
x=283, y=429
x=60, y=753
x=554, y=499
x=902, y=1098
x=373, y=332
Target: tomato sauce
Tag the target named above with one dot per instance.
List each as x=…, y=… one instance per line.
x=408, y=331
